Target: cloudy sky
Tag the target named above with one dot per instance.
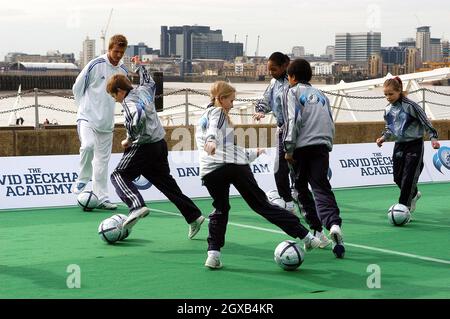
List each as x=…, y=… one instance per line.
x=37, y=26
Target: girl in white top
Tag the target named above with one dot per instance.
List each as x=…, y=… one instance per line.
x=222, y=163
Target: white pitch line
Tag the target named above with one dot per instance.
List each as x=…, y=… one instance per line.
x=387, y=251
x=432, y=225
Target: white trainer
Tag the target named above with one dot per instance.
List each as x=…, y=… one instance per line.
x=290, y=206
x=213, y=260
x=107, y=205
x=338, y=241
x=194, y=227
x=414, y=201
x=311, y=242
x=78, y=187
x=134, y=216
x=324, y=241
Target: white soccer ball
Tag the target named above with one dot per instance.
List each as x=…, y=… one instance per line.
x=399, y=215
x=125, y=231
x=288, y=255
x=275, y=198
x=110, y=230
x=87, y=200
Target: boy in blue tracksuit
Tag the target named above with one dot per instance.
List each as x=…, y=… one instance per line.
x=406, y=123
x=308, y=140
x=145, y=152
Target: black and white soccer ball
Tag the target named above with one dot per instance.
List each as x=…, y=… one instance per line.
x=289, y=255
x=87, y=200
x=110, y=230
x=399, y=215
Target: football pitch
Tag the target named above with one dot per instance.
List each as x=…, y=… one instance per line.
x=42, y=250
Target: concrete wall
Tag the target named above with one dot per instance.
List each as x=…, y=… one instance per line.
x=60, y=140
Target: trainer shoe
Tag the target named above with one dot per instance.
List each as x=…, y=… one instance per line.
x=290, y=206
x=338, y=241
x=213, y=260
x=78, y=187
x=194, y=227
x=134, y=216
x=311, y=242
x=107, y=205
x=324, y=241
x=414, y=201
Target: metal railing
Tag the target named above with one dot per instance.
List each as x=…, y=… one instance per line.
x=245, y=111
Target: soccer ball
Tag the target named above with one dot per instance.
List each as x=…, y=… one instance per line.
x=122, y=218
x=87, y=200
x=399, y=215
x=110, y=230
x=288, y=255
x=275, y=198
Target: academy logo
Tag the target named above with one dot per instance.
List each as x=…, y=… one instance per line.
x=142, y=183
x=442, y=158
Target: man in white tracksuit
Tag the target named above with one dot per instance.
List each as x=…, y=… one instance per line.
x=95, y=119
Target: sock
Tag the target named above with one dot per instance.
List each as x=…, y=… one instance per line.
x=309, y=236
x=213, y=253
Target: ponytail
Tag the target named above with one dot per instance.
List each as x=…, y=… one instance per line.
x=221, y=89
x=396, y=84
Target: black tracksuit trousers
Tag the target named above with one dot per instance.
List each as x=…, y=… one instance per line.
x=150, y=160
x=240, y=176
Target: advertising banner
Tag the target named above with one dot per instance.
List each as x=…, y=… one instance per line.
x=45, y=181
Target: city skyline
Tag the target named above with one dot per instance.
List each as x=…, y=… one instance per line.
x=35, y=29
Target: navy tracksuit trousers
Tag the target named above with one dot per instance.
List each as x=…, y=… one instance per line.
x=282, y=171
x=407, y=166
x=311, y=167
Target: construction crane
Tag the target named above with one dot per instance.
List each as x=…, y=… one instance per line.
x=257, y=47
x=103, y=32
x=418, y=20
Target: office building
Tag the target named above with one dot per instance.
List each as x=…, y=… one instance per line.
x=196, y=42
x=88, y=52
x=357, y=47
x=423, y=42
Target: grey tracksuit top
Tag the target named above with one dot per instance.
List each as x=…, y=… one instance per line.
x=309, y=119
x=273, y=99
x=213, y=126
x=141, y=120
x=406, y=121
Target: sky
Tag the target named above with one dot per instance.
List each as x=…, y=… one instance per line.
x=38, y=26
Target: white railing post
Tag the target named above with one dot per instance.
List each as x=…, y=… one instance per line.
x=423, y=99
x=36, y=109
x=186, y=95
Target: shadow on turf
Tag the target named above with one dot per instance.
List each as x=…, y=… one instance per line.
x=42, y=278
x=132, y=242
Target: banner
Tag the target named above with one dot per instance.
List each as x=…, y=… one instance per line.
x=45, y=181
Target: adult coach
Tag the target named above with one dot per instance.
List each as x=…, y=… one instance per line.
x=95, y=119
